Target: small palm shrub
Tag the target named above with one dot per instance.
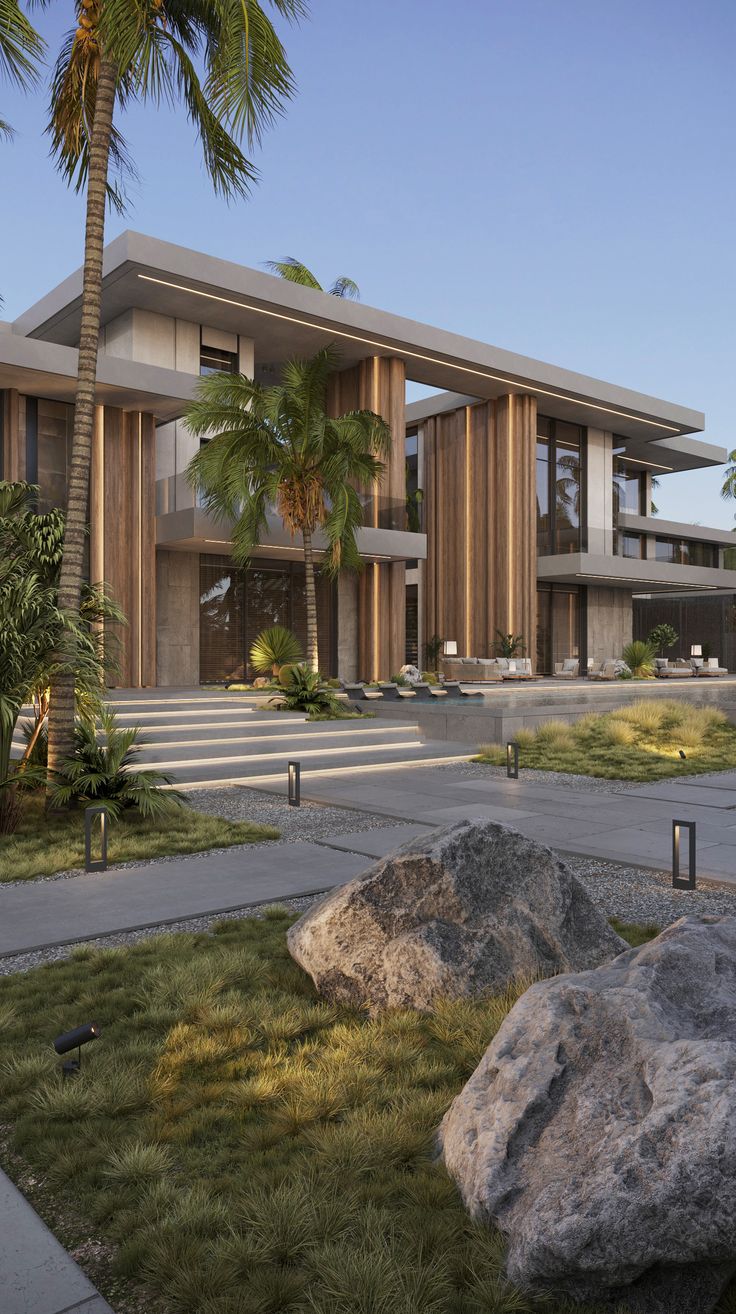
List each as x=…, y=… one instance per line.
x=103, y=772
x=273, y=649
x=639, y=657
x=305, y=692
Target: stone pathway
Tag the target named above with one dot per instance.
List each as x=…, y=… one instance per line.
x=38, y=1276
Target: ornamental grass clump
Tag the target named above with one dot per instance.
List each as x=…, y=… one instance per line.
x=644, y=741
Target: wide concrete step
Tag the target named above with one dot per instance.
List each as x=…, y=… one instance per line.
x=205, y=742
x=270, y=769
x=224, y=758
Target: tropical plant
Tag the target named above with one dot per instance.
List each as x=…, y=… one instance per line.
x=224, y=62
x=662, y=637
x=728, y=487
x=102, y=771
x=35, y=541
x=30, y=626
x=277, y=446
x=639, y=657
x=21, y=50
x=273, y=649
x=34, y=632
x=509, y=645
x=305, y=692
x=432, y=650
x=295, y=272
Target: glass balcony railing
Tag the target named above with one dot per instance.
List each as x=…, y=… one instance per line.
x=175, y=494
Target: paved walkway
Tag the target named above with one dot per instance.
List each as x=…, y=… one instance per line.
x=38, y=1276
x=631, y=827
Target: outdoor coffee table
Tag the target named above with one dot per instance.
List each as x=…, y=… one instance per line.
x=518, y=675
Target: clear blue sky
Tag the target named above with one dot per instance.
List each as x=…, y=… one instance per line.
x=553, y=176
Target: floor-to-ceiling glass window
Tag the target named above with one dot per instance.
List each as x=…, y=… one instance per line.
x=237, y=604
x=558, y=625
x=560, y=487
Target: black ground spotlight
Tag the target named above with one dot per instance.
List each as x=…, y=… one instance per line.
x=74, y=1040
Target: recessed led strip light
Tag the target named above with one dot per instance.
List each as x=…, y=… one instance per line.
x=651, y=465
x=405, y=351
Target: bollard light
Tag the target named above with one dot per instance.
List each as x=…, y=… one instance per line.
x=512, y=760
x=74, y=1040
x=97, y=810
x=294, y=773
x=680, y=882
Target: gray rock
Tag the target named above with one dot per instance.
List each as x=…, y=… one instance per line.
x=460, y=912
x=599, y=1130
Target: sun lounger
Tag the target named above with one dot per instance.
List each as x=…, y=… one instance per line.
x=359, y=691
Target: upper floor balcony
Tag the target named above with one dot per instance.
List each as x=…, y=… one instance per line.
x=182, y=522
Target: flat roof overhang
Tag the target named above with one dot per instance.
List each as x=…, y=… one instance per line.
x=676, y=529
x=46, y=369
x=661, y=455
x=286, y=320
x=637, y=576
x=192, y=530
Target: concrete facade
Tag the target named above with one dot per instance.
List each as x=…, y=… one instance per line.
x=609, y=622
x=177, y=588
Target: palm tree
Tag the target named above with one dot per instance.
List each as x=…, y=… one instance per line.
x=295, y=272
x=278, y=446
x=21, y=49
x=728, y=487
x=123, y=51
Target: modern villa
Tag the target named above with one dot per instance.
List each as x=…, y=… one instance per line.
x=535, y=483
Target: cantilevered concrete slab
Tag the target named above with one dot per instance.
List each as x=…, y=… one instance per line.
x=288, y=320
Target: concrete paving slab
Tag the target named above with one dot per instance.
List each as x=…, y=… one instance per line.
x=38, y=1276
x=684, y=792
x=377, y=843
x=556, y=831
x=481, y=812
x=625, y=845
x=714, y=831
x=39, y=913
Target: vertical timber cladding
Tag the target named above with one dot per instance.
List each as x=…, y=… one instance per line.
x=13, y=462
x=122, y=532
x=480, y=506
x=379, y=384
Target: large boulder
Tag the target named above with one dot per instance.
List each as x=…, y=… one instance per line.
x=460, y=912
x=599, y=1130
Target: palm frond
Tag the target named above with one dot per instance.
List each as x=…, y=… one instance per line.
x=293, y=271
x=345, y=287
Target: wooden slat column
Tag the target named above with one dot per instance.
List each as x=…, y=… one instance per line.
x=122, y=533
x=14, y=457
x=379, y=384
x=480, y=508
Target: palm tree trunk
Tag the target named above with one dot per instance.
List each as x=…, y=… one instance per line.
x=61, y=711
x=312, y=648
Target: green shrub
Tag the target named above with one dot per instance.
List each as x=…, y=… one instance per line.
x=662, y=637
x=273, y=648
x=639, y=657
x=102, y=772
x=304, y=691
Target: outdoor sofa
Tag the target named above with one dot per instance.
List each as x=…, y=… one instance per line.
x=607, y=671
x=472, y=670
x=709, y=668
x=666, y=670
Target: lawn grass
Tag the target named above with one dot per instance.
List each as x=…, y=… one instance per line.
x=233, y=1145
x=45, y=844
x=639, y=742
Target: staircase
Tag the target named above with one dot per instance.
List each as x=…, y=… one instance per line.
x=203, y=738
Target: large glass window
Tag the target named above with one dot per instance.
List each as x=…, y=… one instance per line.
x=558, y=625
x=629, y=544
x=629, y=489
x=47, y=429
x=236, y=604
x=560, y=487
x=686, y=552
x=213, y=361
